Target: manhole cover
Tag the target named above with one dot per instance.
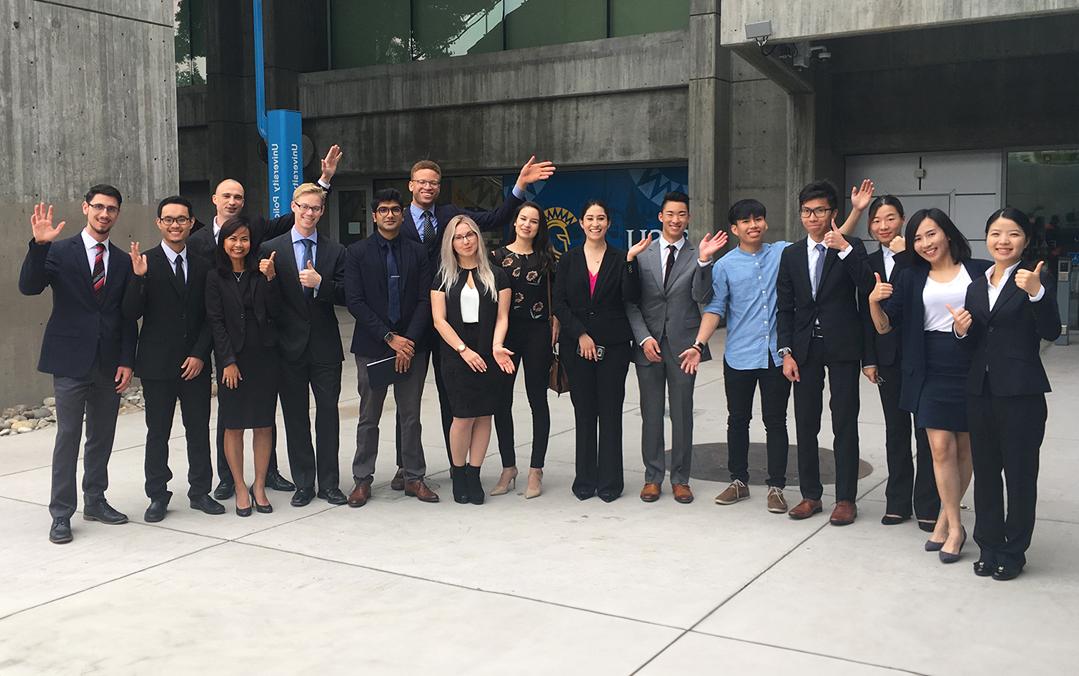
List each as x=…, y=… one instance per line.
x=710, y=464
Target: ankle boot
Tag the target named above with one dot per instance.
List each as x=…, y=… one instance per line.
x=475, y=490
x=460, y=488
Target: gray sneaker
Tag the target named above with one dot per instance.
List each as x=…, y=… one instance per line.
x=736, y=492
x=776, y=503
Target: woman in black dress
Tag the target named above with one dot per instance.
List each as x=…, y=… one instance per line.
x=1007, y=313
x=470, y=303
x=592, y=285
x=240, y=304
x=528, y=262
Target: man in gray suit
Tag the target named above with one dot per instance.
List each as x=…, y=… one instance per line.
x=675, y=278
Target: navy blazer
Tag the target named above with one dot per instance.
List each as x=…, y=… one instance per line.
x=1005, y=342
x=367, y=295
x=906, y=311
x=487, y=220
x=81, y=329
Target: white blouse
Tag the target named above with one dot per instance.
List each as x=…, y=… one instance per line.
x=470, y=304
x=937, y=295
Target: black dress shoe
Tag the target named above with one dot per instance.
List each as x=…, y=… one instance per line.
x=204, y=503
x=983, y=568
x=225, y=490
x=583, y=493
x=927, y=526
x=893, y=519
x=1006, y=572
x=156, y=511
x=334, y=496
x=277, y=482
x=103, y=512
x=608, y=497
x=60, y=532
x=302, y=496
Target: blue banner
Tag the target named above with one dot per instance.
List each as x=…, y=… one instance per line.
x=634, y=197
x=284, y=158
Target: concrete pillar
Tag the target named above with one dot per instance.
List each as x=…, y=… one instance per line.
x=801, y=144
x=709, y=122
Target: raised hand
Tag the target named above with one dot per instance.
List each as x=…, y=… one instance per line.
x=881, y=290
x=833, y=239
x=502, y=358
x=650, y=347
x=329, y=163
x=711, y=245
x=638, y=248
x=534, y=171
x=961, y=320
x=266, y=267
x=41, y=224
x=309, y=278
x=690, y=360
x=1030, y=280
x=898, y=244
x=861, y=196
x=138, y=262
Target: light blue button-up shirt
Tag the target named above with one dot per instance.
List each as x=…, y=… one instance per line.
x=417, y=213
x=744, y=291
x=298, y=249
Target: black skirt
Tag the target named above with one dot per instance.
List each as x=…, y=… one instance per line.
x=253, y=404
x=942, y=403
x=471, y=394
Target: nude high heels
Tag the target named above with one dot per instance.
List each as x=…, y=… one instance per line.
x=508, y=477
x=535, y=484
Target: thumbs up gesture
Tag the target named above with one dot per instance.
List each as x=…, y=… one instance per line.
x=266, y=267
x=309, y=278
x=961, y=320
x=881, y=290
x=1030, y=280
x=833, y=239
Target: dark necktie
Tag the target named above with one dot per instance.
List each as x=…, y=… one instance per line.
x=818, y=268
x=393, y=286
x=308, y=245
x=673, y=252
x=180, y=270
x=428, y=227
x=98, y=276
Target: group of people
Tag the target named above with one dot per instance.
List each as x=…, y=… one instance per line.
x=950, y=340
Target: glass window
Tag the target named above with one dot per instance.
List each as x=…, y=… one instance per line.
x=531, y=23
x=368, y=32
x=456, y=27
x=633, y=17
x=353, y=223
x=189, y=24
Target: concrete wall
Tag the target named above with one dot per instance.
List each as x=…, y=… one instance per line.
x=87, y=95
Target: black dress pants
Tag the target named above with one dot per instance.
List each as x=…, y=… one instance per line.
x=598, y=390
x=160, y=397
x=530, y=342
x=1006, y=436
x=443, y=404
x=808, y=406
x=323, y=380
x=906, y=478
x=775, y=393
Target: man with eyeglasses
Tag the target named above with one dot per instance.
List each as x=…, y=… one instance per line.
x=822, y=324
x=310, y=273
x=388, y=290
x=228, y=200
x=167, y=291
x=88, y=347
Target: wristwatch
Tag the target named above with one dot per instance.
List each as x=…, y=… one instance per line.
x=698, y=346
x=461, y=348
x=783, y=352
x=390, y=335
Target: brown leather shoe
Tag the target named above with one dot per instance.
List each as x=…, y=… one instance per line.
x=805, y=509
x=682, y=493
x=650, y=492
x=419, y=490
x=398, y=482
x=360, y=495
x=844, y=513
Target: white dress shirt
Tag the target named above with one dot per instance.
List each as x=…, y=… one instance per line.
x=172, y=256
x=665, y=252
x=994, y=291
x=889, y=262
x=89, y=243
x=470, y=304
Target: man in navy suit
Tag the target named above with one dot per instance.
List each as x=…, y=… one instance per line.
x=88, y=347
x=424, y=222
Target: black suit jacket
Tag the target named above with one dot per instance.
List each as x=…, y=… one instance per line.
x=226, y=317
x=840, y=305
x=887, y=344
x=367, y=295
x=173, y=314
x=487, y=220
x=308, y=326
x=1005, y=342
x=81, y=328
x=202, y=241
x=603, y=314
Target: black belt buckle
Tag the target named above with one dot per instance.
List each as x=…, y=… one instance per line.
x=817, y=332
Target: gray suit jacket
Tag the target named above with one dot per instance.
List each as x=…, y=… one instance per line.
x=673, y=312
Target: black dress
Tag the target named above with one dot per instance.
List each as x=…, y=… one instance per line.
x=472, y=394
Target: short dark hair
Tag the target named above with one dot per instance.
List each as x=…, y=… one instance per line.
x=386, y=195
x=743, y=209
x=957, y=243
x=103, y=189
x=175, y=199
x=1031, y=229
x=884, y=200
x=819, y=190
x=221, y=259
x=675, y=196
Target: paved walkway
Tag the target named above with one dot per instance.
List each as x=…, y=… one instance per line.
x=542, y=586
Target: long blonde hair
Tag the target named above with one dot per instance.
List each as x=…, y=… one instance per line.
x=450, y=267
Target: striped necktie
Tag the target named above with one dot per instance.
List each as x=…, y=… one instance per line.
x=98, y=277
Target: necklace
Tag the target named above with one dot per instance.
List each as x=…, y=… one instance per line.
x=238, y=275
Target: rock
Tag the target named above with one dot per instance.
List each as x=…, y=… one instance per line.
x=41, y=424
x=42, y=412
x=19, y=408
x=5, y=432
x=4, y=425
x=20, y=425
x=24, y=430
x=8, y=412
x=17, y=418
x=48, y=401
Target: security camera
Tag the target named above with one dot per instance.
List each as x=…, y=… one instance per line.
x=759, y=31
x=821, y=52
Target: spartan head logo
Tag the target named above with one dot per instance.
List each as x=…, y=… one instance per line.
x=559, y=220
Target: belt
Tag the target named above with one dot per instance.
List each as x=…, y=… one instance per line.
x=817, y=332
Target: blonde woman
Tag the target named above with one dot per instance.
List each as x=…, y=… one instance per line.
x=470, y=304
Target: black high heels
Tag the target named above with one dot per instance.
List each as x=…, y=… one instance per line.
x=245, y=511
x=261, y=509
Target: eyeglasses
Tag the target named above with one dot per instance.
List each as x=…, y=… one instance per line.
x=178, y=220
x=426, y=183
x=819, y=212
x=385, y=211
x=466, y=236
x=304, y=208
x=107, y=208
